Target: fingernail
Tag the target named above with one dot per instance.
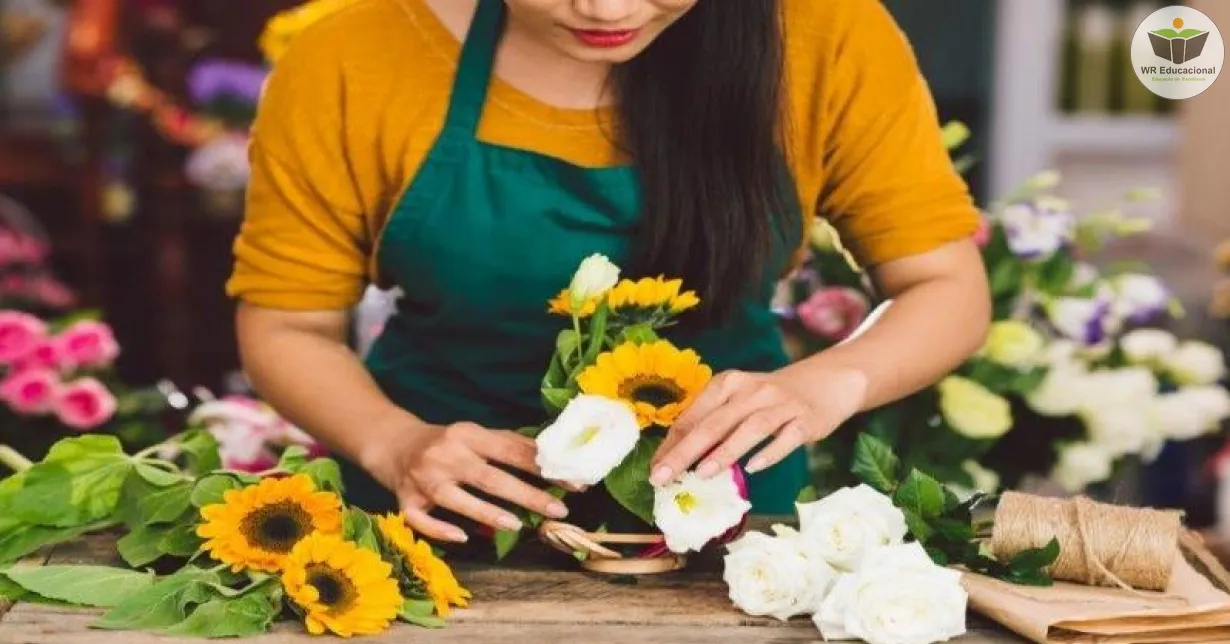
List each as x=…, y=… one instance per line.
x=458, y=536
x=557, y=510
x=707, y=469
x=661, y=475
x=510, y=523
x=756, y=465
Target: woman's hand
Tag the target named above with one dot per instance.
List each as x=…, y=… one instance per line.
x=428, y=466
x=738, y=411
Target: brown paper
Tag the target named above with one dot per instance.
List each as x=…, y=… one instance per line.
x=1191, y=610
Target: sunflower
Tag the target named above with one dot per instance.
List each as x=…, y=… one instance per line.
x=437, y=578
x=562, y=305
x=341, y=587
x=256, y=527
x=657, y=379
x=651, y=295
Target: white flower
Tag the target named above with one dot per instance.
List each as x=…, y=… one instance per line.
x=1035, y=231
x=847, y=524
x=1148, y=346
x=590, y=438
x=1013, y=343
x=1045, y=180
x=696, y=510
x=1089, y=321
x=899, y=597
x=1082, y=464
x=1117, y=409
x=1196, y=363
x=985, y=480
x=1140, y=298
x=220, y=165
x=1212, y=400
x=595, y=276
x=772, y=576
x=1083, y=274
x=1191, y=412
x=1060, y=392
x=1061, y=352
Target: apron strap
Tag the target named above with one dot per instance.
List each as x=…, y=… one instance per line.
x=474, y=67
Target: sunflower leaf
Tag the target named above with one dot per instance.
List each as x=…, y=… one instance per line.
x=141, y=546
x=325, y=473
x=597, y=334
x=157, y=606
x=357, y=526
x=629, y=483
x=102, y=586
x=425, y=621
x=166, y=504
x=158, y=476
x=24, y=539
x=211, y=488
x=201, y=451
x=638, y=334
x=245, y=615
x=293, y=459
x=181, y=540
x=77, y=483
x=556, y=399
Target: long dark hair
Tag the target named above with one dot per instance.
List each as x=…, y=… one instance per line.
x=701, y=115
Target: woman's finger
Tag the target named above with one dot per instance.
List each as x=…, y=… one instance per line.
x=713, y=396
x=754, y=430
x=458, y=500
x=790, y=438
x=501, y=484
x=415, y=513
x=709, y=433
x=509, y=448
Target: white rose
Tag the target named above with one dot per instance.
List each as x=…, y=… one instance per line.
x=1196, y=363
x=898, y=597
x=1191, y=412
x=845, y=525
x=595, y=276
x=1082, y=464
x=590, y=438
x=696, y=510
x=1120, y=429
x=1148, y=346
x=1060, y=392
x=1140, y=298
x=771, y=576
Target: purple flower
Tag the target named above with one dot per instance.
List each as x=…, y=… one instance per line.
x=214, y=79
x=1037, y=230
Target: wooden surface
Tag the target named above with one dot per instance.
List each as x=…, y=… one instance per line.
x=512, y=604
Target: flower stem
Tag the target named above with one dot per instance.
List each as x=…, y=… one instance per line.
x=11, y=459
x=576, y=327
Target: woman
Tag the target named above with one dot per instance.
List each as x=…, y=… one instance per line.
x=472, y=152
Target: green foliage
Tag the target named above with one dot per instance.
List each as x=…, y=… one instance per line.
x=358, y=526
x=629, y=483
x=100, y=586
x=420, y=612
x=875, y=464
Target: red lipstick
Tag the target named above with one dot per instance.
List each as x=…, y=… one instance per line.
x=605, y=39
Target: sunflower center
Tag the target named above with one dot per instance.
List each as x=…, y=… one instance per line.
x=334, y=588
x=652, y=390
x=277, y=527
x=686, y=502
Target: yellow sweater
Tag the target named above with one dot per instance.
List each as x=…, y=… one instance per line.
x=355, y=104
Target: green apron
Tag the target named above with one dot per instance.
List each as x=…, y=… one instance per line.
x=481, y=240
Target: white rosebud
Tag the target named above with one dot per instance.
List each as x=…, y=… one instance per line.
x=594, y=277
x=1082, y=464
x=847, y=524
x=1148, y=346
x=772, y=576
x=1061, y=390
x=899, y=597
x=1140, y=298
x=696, y=510
x=590, y=438
x=1196, y=363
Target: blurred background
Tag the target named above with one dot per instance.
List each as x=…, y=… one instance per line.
x=122, y=154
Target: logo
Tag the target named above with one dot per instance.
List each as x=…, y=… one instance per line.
x=1178, y=52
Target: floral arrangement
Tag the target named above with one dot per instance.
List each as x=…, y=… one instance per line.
x=612, y=389
x=251, y=436
x=235, y=551
x=1076, y=378
x=873, y=561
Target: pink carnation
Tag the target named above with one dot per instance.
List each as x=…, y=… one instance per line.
x=20, y=333
x=51, y=292
x=85, y=404
x=47, y=354
x=834, y=312
x=31, y=391
x=89, y=344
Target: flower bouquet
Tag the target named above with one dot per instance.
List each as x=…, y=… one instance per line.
x=612, y=389
x=211, y=552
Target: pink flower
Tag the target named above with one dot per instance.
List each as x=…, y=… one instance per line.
x=31, y=250
x=20, y=333
x=85, y=404
x=52, y=292
x=834, y=312
x=89, y=343
x=31, y=391
x=47, y=354
x=13, y=283
x=983, y=235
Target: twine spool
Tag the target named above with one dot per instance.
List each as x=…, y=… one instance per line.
x=1100, y=545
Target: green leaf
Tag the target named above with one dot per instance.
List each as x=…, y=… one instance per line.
x=293, y=459
x=875, y=464
x=918, y=526
x=243, y=616
x=11, y=590
x=1035, y=558
x=530, y=431
x=181, y=540
x=25, y=539
x=141, y=546
x=76, y=484
x=416, y=617
x=1028, y=578
x=556, y=399
x=325, y=473
x=158, y=605
x=166, y=504
x=921, y=494
x=566, y=345
x=597, y=332
x=1006, y=277
x=200, y=449
x=357, y=526
x=629, y=483
x=953, y=530
x=101, y=586
x=158, y=476
x=210, y=489
x=807, y=495
x=638, y=334
x=505, y=541
x=418, y=607
x=938, y=556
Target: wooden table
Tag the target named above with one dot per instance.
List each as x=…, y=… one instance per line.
x=521, y=602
